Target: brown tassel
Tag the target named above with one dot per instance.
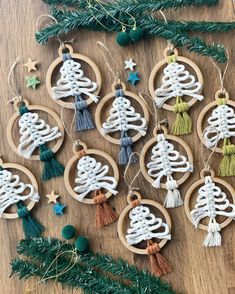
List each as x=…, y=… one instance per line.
x=159, y=265
x=105, y=215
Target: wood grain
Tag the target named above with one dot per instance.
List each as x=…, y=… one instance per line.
x=196, y=270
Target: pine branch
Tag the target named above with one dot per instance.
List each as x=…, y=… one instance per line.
x=77, y=277
x=179, y=38
x=44, y=250
x=138, y=5
x=149, y=22
x=128, y=272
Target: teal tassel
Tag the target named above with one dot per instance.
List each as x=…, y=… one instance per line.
x=52, y=168
x=32, y=228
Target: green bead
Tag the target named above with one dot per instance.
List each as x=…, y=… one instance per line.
x=82, y=244
x=123, y=38
x=68, y=232
x=136, y=34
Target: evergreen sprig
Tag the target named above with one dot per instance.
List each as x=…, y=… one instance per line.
x=94, y=273
x=98, y=18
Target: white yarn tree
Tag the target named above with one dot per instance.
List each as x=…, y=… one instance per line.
x=212, y=202
x=177, y=82
x=72, y=82
x=123, y=118
x=145, y=226
x=221, y=125
x=12, y=190
x=92, y=176
x=34, y=132
x=165, y=160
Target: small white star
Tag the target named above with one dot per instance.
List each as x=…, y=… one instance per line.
x=129, y=64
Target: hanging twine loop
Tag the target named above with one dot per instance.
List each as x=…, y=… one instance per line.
x=62, y=43
x=156, y=114
x=170, y=46
x=106, y=54
x=130, y=186
x=221, y=73
x=16, y=93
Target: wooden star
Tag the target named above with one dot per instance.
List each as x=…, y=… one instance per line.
x=52, y=197
x=31, y=65
x=32, y=82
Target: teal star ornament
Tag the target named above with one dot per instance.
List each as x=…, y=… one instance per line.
x=58, y=208
x=133, y=78
x=32, y=82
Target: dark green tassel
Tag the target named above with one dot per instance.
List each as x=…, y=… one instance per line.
x=52, y=168
x=32, y=228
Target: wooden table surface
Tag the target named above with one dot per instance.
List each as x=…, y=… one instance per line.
x=196, y=270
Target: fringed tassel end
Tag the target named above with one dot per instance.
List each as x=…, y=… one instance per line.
x=183, y=122
x=52, y=168
x=105, y=215
x=158, y=264
x=84, y=120
x=227, y=165
x=32, y=228
x=173, y=197
x=213, y=237
x=126, y=150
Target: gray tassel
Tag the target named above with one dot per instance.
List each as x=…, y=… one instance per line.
x=84, y=119
x=126, y=151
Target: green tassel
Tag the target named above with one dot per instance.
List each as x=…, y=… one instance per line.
x=183, y=122
x=32, y=228
x=52, y=168
x=227, y=165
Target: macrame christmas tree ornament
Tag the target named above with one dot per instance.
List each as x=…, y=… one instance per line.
x=13, y=191
x=123, y=119
x=220, y=127
x=93, y=178
x=212, y=202
x=165, y=162
x=177, y=83
x=74, y=84
x=35, y=133
x=144, y=226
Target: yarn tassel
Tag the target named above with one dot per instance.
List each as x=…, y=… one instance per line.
x=105, y=215
x=52, y=168
x=158, y=264
x=126, y=150
x=183, y=122
x=173, y=198
x=213, y=237
x=32, y=228
x=84, y=120
x=227, y=165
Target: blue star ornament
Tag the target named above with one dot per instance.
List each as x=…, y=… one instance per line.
x=58, y=208
x=133, y=78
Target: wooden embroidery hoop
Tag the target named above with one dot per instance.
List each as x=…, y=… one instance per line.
x=15, y=117
x=75, y=158
x=162, y=63
x=59, y=60
x=152, y=141
x=208, y=108
x=196, y=185
x=126, y=211
x=106, y=99
x=32, y=179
